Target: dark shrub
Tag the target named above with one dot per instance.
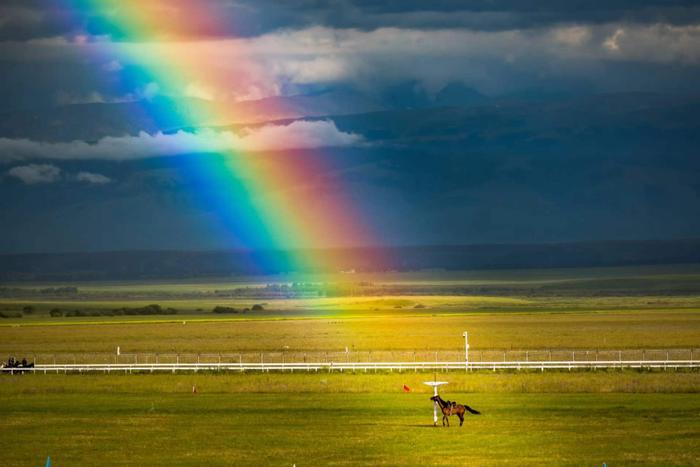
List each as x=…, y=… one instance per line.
x=10, y=314
x=145, y=310
x=74, y=313
x=56, y=312
x=258, y=307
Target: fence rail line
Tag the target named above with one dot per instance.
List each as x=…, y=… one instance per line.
x=357, y=366
x=362, y=356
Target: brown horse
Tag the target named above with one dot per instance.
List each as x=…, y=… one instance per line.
x=452, y=408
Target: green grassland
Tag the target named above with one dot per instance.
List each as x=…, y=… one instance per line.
x=563, y=418
x=609, y=308
x=584, y=330
x=282, y=419
x=682, y=278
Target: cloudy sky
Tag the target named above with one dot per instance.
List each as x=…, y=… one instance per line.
x=444, y=122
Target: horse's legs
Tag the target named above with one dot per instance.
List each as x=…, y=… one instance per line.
x=461, y=418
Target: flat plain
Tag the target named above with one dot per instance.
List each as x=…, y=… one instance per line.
x=564, y=418
x=333, y=419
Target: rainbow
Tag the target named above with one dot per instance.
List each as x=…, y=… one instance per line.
x=273, y=198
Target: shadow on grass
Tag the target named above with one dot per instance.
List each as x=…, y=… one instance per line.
x=426, y=426
x=409, y=425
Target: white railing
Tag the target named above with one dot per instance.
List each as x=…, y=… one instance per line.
x=357, y=366
x=480, y=356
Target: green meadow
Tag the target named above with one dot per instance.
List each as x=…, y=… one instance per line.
x=564, y=418
x=333, y=419
x=583, y=330
x=608, y=308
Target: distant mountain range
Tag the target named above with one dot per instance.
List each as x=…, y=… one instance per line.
x=455, y=113
x=131, y=265
x=93, y=121
x=456, y=167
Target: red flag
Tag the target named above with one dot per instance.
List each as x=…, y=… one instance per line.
x=406, y=388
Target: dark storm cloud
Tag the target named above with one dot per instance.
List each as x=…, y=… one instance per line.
x=526, y=164
x=488, y=14
x=31, y=19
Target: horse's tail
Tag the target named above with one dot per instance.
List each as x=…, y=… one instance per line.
x=470, y=410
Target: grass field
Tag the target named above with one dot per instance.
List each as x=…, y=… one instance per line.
x=635, y=280
x=563, y=418
x=584, y=314
x=347, y=420
x=609, y=308
x=397, y=332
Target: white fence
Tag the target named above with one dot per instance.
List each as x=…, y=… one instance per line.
x=364, y=361
x=481, y=356
x=357, y=366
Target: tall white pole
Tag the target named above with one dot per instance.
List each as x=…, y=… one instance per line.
x=466, y=349
x=435, y=385
x=435, y=406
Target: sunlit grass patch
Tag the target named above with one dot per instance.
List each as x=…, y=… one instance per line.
x=348, y=419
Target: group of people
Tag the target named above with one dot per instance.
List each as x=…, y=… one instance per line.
x=12, y=363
